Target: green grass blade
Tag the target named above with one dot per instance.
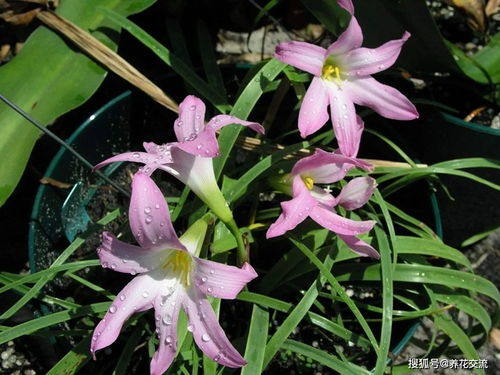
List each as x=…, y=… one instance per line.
x=296, y=315
x=326, y=359
x=209, y=60
x=46, y=321
x=209, y=93
x=256, y=342
x=455, y=332
x=73, y=360
x=128, y=351
x=244, y=105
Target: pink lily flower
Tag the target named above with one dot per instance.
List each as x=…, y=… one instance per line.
x=190, y=158
x=170, y=277
x=342, y=78
x=318, y=204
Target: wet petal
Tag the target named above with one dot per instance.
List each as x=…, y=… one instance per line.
x=137, y=295
x=294, y=211
x=383, y=99
x=304, y=56
x=327, y=218
x=356, y=193
x=191, y=119
x=207, y=332
x=150, y=160
x=366, y=61
x=123, y=257
x=221, y=280
x=149, y=216
x=220, y=121
x=346, y=124
x=204, y=144
x=328, y=167
x=347, y=5
x=360, y=247
x=167, y=309
x=313, y=112
x=350, y=39
x=323, y=196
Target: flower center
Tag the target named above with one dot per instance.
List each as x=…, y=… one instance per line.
x=308, y=181
x=180, y=263
x=330, y=72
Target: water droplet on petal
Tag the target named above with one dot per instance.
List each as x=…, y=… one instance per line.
x=136, y=154
x=190, y=328
x=198, y=147
x=162, y=223
x=212, y=272
x=112, y=309
x=147, y=210
x=204, y=279
x=148, y=219
x=122, y=297
x=167, y=320
x=192, y=108
x=179, y=123
x=113, y=266
x=210, y=289
x=125, y=260
x=205, y=337
x=145, y=294
x=133, y=272
x=198, y=117
x=168, y=339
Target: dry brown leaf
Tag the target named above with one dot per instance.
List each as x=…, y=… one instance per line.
x=474, y=11
x=493, y=7
x=495, y=338
x=22, y=12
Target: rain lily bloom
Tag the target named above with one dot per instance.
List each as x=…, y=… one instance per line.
x=342, y=78
x=311, y=201
x=170, y=276
x=190, y=158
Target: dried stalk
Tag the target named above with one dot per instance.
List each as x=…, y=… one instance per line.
x=107, y=57
x=120, y=66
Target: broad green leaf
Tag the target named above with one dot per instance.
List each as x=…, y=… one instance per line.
x=414, y=245
x=256, y=342
x=49, y=77
x=73, y=360
x=482, y=67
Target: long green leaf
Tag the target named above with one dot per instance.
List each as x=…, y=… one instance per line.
x=48, y=78
x=46, y=321
x=208, y=92
x=73, y=360
x=242, y=108
x=324, y=358
x=256, y=342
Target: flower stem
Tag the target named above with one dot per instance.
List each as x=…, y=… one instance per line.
x=241, y=251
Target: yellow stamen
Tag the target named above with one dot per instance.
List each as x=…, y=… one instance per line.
x=309, y=182
x=331, y=72
x=180, y=263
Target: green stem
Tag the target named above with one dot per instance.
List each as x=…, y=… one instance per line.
x=241, y=251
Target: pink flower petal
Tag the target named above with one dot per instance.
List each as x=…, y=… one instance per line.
x=362, y=62
x=346, y=124
x=313, y=112
x=123, y=257
x=294, y=211
x=149, y=216
x=350, y=39
x=323, y=196
x=356, y=193
x=137, y=295
x=304, y=56
x=204, y=144
x=347, y=5
x=166, y=315
x=151, y=161
x=191, y=119
x=360, y=247
x=385, y=100
x=220, y=121
x=207, y=332
x=327, y=167
x=220, y=280
x=327, y=218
